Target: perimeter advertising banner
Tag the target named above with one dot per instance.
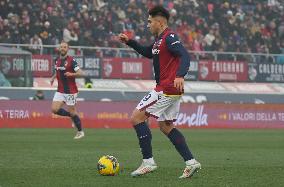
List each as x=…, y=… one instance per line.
x=12, y=65
x=42, y=65
x=266, y=72
x=129, y=68
x=36, y=114
x=236, y=71
x=92, y=67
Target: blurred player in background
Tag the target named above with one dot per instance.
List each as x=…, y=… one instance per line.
x=67, y=70
x=38, y=96
x=171, y=62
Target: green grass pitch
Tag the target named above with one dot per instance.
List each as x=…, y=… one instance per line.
x=50, y=157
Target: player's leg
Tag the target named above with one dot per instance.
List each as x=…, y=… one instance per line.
x=143, y=132
x=180, y=144
x=176, y=137
x=70, y=100
x=77, y=122
x=57, y=103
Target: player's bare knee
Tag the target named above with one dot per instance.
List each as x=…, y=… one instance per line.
x=165, y=127
x=72, y=111
x=138, y=117
x=134, y=120
x=162, y=129
x=54, y=110
x=72, y=114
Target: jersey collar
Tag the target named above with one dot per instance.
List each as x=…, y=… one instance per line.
x=64, y=58
x=160, y=36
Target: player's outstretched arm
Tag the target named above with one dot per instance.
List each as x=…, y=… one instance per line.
x=146, y=51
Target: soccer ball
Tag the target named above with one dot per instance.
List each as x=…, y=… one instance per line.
x=108, y=165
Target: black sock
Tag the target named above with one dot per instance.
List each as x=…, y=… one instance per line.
x=77, y=122
x=144, y=136
x=63, y=112
x=179, y=142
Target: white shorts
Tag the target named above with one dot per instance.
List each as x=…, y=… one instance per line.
x=160, y=106
x=69, y=99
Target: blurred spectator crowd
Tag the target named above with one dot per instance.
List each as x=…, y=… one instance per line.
x=203, y=25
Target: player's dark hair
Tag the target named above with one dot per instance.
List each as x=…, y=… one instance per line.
x=159, y=11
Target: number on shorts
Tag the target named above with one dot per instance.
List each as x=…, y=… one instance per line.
x=147, y=97
x=71, y=98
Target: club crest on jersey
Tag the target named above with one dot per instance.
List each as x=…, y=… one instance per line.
x=158, y=43
x=155, y=49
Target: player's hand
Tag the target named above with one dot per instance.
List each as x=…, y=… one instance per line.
x=123, y=38
x=179, y=83
x=69, y=74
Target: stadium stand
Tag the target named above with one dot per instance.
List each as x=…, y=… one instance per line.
x=207, y=25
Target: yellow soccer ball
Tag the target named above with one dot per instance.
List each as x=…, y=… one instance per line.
x=108, y=165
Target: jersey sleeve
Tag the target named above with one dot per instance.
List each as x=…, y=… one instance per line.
x=75, y=65
x=146, y=51
x=177, y=49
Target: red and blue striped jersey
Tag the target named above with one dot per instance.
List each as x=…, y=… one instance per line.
x=66, y=84
x=170, y=60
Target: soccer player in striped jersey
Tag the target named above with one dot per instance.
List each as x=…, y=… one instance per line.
x=67, y=70
x=171, y=62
